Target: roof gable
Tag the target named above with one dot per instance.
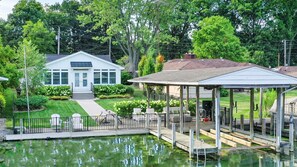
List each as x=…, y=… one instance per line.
x=64, y=57
x=253, y=76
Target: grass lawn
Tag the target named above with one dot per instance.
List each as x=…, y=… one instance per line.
x=64, y=108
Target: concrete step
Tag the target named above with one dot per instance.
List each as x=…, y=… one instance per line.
x=80, y=96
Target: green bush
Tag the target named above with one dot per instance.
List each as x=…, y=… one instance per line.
x=125, y=76
x=224, y=92
x=2, y=102
x=125, y=108
x=108, y=90
x=114, y=96
x=54, y=91
x=35, y=102
x=59, y=97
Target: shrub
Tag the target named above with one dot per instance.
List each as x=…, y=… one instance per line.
x=224, y=92
x=114, y=96
x=2, y=102
x=269, y=98
x=59, y=97
x=54, y=91
x=108, y=90
x=125, y=76
x=35, y=102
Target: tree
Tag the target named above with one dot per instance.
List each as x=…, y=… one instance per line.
x=40, y=36
x=149, y=66
x=23, y=11
x=35, y=63
x=159, y=63
x=216, y=39
x=141, y=65
x=8, y=66
x=134, y=24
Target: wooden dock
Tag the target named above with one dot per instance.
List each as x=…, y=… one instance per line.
x=182, y=142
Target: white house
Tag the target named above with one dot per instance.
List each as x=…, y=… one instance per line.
x=81, y=70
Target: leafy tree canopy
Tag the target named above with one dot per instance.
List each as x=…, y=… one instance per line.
x=216, y=39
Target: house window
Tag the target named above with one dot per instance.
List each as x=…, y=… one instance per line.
x=97, y=77
x=112, y=77
x=104, y=76
x=64, y=77
x=56, y=78
x=48, y=78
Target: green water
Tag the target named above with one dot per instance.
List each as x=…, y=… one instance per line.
x=143, y=150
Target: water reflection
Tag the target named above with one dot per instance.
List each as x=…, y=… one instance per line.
x=127, y=151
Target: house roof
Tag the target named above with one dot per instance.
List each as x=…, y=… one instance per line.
x=229, y=77
x=53, y=57
x=289, y=70
x=188, y=64
x=3, y=79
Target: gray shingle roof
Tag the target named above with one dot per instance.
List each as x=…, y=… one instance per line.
x=53, y=57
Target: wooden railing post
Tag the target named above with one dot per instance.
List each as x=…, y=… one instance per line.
x=242, y=122
x=173, y=135
x=116, y=125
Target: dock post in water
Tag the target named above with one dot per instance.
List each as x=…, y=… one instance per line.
x=231, y=105
x=197, y=112
x=167, y=106
x=173, y=135
x=242, y=122
x=291, y=134
x=272, y=124
x=159, y=126
x=217, y=119
x=252, y=97
x=295, y=126
x=263, y=126
x=181, y=113
x=191, y=143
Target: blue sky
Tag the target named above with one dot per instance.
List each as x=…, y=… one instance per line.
x=7, y=5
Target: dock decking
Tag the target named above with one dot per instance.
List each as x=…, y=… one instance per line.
x=182, y=142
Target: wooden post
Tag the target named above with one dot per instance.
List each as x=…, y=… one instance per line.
x=295, y=126
x=217, y=118
x=147, y=121
x=242, y=122
x=283, y=109
x=278, y=120
x=159, y=126
x=272, y=119
x=252, y=113
x=291, y=134
x=264, y=126
x=173, y=135
x=261, y=105
x=224, y=117
x=148, y=96
x=188, y=99
x=191, y=143
x=167, y=106
x=116, y=126
x=231, y=105
x=197, y=112
x=21, y=126
x=213, y=105
x=181, y=113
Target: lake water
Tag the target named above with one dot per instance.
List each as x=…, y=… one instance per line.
x=144, y=150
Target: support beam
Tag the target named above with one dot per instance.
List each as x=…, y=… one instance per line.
x=261, y=105
x=291, y=133
x=197, y=112
x=242, y=122
x=181, y=113
x=217, y=117
x=231, y=105
x=167, y=106
x=188, y=98
x=252, y=113
x=148, y=96
x=283, y=109
x=278, y=119
x=213, y=105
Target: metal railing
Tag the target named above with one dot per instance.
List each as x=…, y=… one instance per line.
x=83, y=123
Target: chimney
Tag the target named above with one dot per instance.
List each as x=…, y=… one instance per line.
x=189, y=56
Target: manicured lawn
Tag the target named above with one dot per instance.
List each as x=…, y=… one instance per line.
x=109, y=103
x=64, y=108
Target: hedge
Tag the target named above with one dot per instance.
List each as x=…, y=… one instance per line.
x=54, y=91
x=125, y=108
x=2, y=102
x=35, y=102
x=108, y=90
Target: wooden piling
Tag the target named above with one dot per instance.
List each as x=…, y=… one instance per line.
x=291, y=134
x=263, y=126
x=191, y=143
x=231, y=105
x=242, y=122
x=159, y=126
x=272, y=124
x=173, y=135
x=116, y=126
x=252, y=113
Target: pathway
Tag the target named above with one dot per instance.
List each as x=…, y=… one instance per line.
x=92, y=108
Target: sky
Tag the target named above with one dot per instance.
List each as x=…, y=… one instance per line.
x=7, y=5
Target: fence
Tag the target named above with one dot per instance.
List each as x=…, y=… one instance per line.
x=84, y=123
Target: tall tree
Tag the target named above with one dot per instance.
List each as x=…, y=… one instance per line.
x=23, y=11
x=40, y=36
x=134, y=24
x=216, y=39
x=35, y=64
